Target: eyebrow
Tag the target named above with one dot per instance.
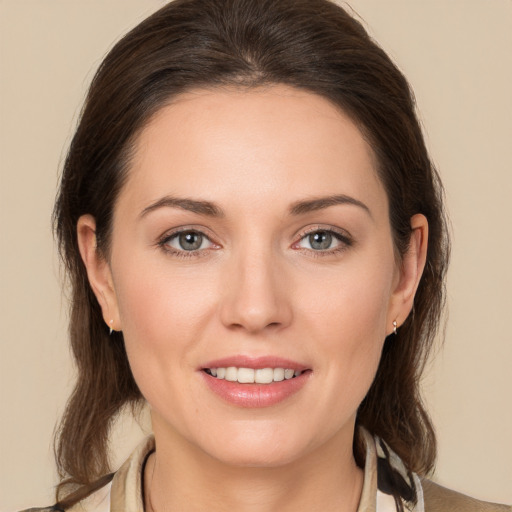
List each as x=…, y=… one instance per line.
x=319, y=203
x=192, y=205
x=210, y=209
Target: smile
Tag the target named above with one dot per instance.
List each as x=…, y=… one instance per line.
x=253, y=376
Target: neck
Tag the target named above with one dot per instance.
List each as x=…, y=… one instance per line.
x=181, y=477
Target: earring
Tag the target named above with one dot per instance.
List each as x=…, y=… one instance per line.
x=394, y=328
x=110, y=327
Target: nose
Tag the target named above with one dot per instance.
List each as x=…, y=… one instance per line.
x=256, y=294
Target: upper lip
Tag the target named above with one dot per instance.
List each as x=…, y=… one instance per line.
x=243, y=361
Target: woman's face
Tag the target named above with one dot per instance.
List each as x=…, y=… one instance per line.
x=253, y=232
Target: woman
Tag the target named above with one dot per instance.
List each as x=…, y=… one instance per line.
x=256, y=242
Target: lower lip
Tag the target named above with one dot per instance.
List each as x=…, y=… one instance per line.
x=256, y=395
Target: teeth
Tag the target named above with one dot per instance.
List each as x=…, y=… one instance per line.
x=231, y=374
x=278, y=374
x=264, y=376
x=251, y=376
x=288, y=374
x=246, y=375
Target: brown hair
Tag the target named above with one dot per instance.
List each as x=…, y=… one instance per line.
x=309, y=44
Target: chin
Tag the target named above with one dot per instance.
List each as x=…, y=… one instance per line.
x=257, y=447
x=268, y=457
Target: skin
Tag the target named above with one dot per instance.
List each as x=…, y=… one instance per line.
x=255, y=287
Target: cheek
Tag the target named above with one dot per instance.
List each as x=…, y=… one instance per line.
x=162, y=316
x=155, y=298
x=348, y=322
x=350, y=309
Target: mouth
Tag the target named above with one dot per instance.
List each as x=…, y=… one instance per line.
x=255, y=382
x=253, y=375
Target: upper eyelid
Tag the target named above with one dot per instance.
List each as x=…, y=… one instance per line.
x=186, y=229
x=174, y=234
x=336, y=231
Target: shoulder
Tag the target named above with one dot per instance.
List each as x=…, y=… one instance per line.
x=440, y=499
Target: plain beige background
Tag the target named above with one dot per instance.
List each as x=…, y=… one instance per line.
x=456, y=54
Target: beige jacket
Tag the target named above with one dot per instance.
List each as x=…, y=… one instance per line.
x=124, y=493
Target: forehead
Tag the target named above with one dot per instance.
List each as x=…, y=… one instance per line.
x=275, y=142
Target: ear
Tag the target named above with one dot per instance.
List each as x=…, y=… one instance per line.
x=410, y=272
x=98, y=271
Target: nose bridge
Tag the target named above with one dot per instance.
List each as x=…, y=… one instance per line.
x=255, y=295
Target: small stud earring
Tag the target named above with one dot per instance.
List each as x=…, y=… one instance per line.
x=110, y=327
x=394, y=328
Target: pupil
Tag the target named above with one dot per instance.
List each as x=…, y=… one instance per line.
x=190, y=241
x=320, y=240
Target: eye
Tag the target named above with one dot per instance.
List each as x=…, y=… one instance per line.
x=320, y=241
x=187, y=241
x=324, y=240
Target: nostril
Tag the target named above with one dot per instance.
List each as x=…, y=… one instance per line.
x=254, y=302
x=254, y=326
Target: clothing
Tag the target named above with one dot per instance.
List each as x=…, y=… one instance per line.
x=124, y=493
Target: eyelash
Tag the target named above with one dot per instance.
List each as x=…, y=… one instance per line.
x=344, y=239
